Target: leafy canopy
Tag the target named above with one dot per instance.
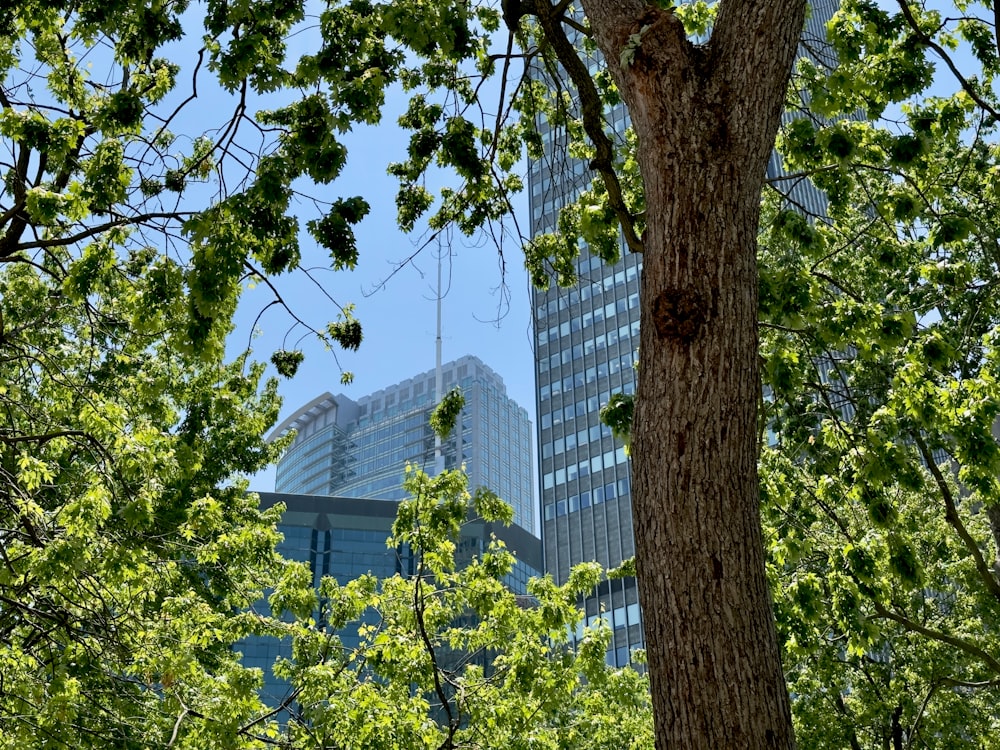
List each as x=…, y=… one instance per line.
x=131, y=220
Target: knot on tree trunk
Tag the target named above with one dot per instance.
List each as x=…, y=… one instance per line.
x=679, y=314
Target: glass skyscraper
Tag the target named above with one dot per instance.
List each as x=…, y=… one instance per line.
x=360, y=448
x=586, y=338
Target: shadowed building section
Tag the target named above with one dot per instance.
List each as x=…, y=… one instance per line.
x=346, y=538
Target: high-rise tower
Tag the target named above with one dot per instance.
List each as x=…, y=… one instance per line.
x=360, y=448
x=586, y=339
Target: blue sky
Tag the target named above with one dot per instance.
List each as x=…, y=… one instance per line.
x=399, y=315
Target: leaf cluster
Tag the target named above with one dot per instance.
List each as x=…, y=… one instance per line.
x=445, y=414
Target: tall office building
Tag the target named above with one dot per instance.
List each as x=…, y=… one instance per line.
x=346, y=538
x=360, y=448
x=586, y=338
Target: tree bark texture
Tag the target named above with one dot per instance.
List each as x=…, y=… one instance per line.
x=706, y=118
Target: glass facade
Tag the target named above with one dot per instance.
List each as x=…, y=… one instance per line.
x=345, y=538
x=586, y=340
x=360, y=448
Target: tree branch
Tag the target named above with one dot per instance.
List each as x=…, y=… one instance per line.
x=953, y=518
x=937, y=635
x=996, y=22
x=99, y=228
x=592, y=113
x=14, y=439
x=912, y=734
x=842, y=707
x=967, y=87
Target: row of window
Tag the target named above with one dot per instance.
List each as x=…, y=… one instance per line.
x=572, y=411
x=582, y=407
x=564, y=357
x=520, y=574
x=385, y=487
x=297, y=465
x=397, y=458
x=418, y=416
x=589, y=318
x=587, y=498
x=304, y=450
x=376, y=401
x=392, y=412
x=315, y=431
x=619, y=617
x=388, y=410
x=587, y=436
x=511, y=425
x=371, y=445
x=542, y=180
x=584, y=468
x=579, y=378
x=503, y=482
x=549, y=193
x=590, y=263
x=625, y=334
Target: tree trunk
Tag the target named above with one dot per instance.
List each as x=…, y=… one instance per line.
x=706, y=117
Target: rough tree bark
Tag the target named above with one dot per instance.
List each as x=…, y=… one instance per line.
x=706, y=118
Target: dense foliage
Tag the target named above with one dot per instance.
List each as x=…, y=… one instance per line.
x=142, y=191
x=129, y=545
x=141, y=194
x=880, y=481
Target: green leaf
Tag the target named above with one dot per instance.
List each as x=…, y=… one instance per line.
x=445, y=415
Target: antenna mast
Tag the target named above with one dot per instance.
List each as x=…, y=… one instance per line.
x=438, y=374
